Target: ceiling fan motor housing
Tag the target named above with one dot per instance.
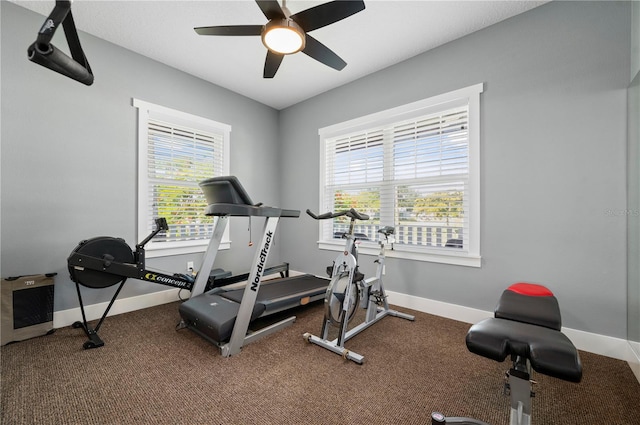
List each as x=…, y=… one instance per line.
x=285, y=32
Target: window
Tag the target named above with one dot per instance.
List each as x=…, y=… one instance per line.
x=415, y=167
x=176, y=151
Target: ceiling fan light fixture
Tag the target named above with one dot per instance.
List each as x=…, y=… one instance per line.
x=283, y=36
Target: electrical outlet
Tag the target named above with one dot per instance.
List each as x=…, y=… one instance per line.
x=190, y=266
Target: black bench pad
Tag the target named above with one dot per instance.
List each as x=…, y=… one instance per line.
x=550, y=352
x=537, y=310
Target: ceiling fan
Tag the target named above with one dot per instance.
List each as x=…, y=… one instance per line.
x=286, y=34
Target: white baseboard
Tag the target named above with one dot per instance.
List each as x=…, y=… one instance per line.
x=438, y=308
x=594, y=343
x=95, y=311
x=124, y=305
x=634, y=358
x=586, y=341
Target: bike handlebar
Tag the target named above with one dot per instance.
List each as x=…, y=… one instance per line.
x=349, y=213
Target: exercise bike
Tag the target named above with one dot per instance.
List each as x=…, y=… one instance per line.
x=348, y=288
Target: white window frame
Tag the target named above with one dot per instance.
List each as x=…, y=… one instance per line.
x=148, y=110
x=468, y=95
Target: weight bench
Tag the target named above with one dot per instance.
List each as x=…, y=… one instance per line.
x=526, y=327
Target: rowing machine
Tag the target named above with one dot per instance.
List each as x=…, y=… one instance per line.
x=105, y=261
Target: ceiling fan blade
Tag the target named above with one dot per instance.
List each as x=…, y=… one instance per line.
x=230, y=30
x=271, y=9
x=322, y=53
x=327, y=13
x=271, y=64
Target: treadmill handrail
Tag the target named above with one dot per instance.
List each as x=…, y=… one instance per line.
x=239, y=210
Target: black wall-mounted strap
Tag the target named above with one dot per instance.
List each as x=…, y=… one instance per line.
x=46, y=54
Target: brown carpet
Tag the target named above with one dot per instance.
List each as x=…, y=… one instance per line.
x=148, y=373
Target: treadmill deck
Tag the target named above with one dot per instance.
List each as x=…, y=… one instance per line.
x=213, y=313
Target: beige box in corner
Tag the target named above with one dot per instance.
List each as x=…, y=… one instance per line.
x=26, y=307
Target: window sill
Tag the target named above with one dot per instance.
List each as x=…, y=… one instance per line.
x=433, y=256
x=177, y=248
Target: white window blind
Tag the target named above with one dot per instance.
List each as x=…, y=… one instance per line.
x=177, y=151
x=414, y=169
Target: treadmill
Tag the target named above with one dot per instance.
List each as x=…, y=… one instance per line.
x=223, y=315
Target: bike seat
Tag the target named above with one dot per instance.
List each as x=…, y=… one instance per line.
x=387, y=230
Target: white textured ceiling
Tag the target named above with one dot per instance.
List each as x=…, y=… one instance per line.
x=385, y=33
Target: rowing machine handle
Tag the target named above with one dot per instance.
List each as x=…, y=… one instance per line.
x=161, y=225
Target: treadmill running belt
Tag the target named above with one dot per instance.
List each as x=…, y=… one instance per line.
x=289, y=291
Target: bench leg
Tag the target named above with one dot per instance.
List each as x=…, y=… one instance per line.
x=519, y=387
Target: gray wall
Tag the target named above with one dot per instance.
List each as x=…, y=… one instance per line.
x=69, y=154
x=633, y=208
x=553, y=144
x=553, y=157
x=633, y=187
